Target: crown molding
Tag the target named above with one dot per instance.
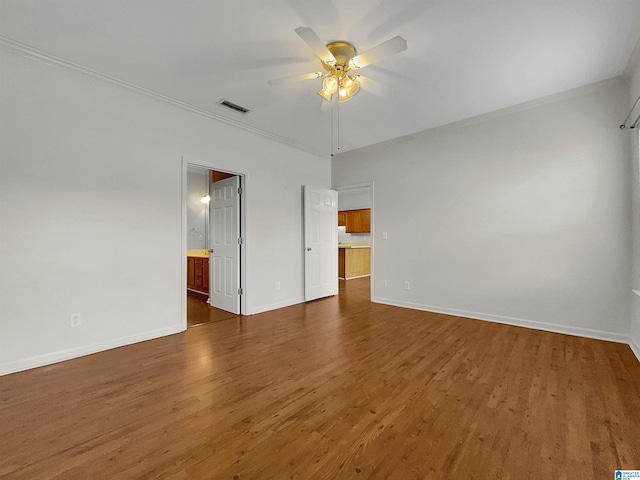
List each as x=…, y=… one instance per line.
x=44, y=57
x=633, y=62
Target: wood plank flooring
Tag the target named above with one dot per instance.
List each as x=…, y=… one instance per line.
x=199, y=312
x=338, y=388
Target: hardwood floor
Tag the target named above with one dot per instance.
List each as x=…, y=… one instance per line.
x=338, y=388
x=199, y=312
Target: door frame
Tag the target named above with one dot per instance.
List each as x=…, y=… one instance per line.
x=242, y=270
x=357, y=186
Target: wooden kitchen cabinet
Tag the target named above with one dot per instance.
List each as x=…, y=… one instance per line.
x=365, y=220
x=342, y=218
x=356, y=221
x=198, y=274
x=354, y=262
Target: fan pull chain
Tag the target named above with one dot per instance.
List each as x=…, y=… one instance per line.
x=338, y=121
x=332, y=151
x=335, y=125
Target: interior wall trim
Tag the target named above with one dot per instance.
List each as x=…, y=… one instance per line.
x=519, y=322
x=49, y=59
x=275, y=306
x=635, y=346
x=70, y=353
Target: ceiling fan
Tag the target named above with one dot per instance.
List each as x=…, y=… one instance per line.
x=341, y=62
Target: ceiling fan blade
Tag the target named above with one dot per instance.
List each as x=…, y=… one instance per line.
x=325, y=106
x=384, y=50
x=373, y=86
x=317, y=45
x=295, y=78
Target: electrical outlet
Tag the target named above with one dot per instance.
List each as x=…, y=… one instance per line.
x=277, y=285
x=384, y=235
x=407, y=285
x=75, y=320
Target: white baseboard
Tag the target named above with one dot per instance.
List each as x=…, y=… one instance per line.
x=275, y=306
x=635, y=346
x=68, y=354
x=196, y=291
x=518, y=322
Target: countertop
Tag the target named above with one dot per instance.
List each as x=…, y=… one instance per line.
x=205, y=253
x=198, y=253
x=354, y=245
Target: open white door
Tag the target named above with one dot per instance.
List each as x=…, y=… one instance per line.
x=224, y=248
x=320, y=242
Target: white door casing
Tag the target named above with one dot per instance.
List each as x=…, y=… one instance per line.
x=224, y=253
x=320, y=242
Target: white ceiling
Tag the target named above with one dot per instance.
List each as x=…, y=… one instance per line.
x=464, y=58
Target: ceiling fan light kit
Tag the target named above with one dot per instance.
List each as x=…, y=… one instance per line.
x=340, y=60
x=338, y=79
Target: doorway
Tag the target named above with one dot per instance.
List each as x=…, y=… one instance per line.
x=212, y=237
x=355, y=237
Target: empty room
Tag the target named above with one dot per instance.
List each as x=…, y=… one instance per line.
x=389, y=239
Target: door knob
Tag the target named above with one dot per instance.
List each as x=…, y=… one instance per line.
x=308, y=249
x=210, y=250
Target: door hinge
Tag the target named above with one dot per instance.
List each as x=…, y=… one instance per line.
x=239, y=291
x=239, y=190
x=239, y=240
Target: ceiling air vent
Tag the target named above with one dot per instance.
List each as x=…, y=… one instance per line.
x=234, y=106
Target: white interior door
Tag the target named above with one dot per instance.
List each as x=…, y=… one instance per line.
x=320, y=242
x=224, y=248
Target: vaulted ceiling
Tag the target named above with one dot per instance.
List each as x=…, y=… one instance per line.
x=464, y=58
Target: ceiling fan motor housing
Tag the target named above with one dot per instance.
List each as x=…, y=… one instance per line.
x=342, y=52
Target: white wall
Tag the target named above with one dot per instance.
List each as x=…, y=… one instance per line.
x=91, y=212
x=343, y=236
x=635, y=181
x=520, y=217
x=197, y=212
x=354, y=198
